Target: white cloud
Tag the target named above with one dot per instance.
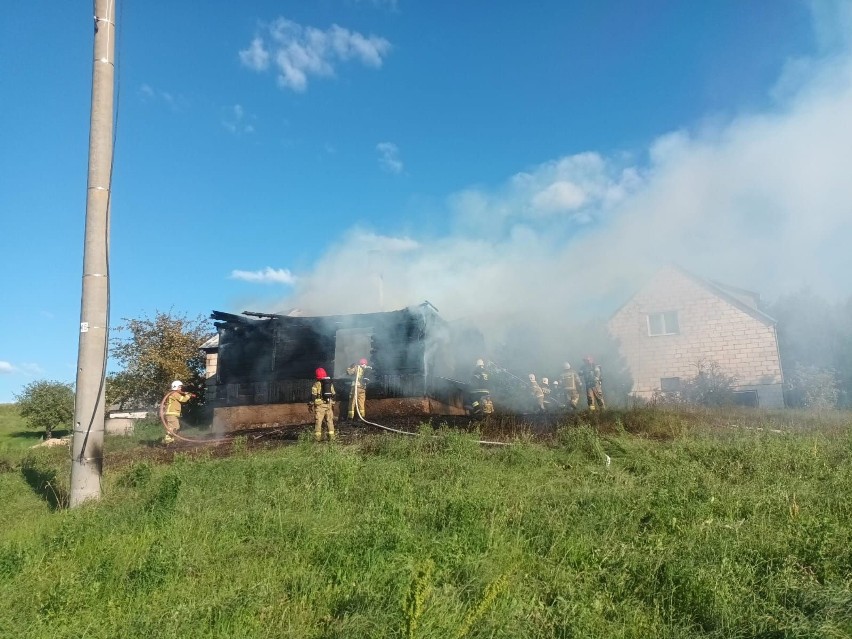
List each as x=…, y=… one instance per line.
x=385, y=243
x=256, y=57
x=832, y=23
x=6, y=368
x=560, y=196
x=389, y=157
x=268, y=275
x=576, y=188
x=33, y=369
x=298, y=52
x=236, y=121
x=152, y=94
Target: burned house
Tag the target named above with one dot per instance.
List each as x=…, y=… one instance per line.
x=265, y=363
x=677, y=321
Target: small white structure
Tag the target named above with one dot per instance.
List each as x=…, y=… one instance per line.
x=122, y=423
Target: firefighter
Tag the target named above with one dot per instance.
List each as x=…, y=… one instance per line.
x=557, y=395
x=570, y=386
x=359, y=388
x=544, y=385
x=537, y=394
x=594, y=383
x=322, y=404
x=551, y=400
x=174, y=403
x=480, y=391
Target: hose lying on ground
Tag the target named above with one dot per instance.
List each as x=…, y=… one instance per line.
x=404, y=432
x=213, y=440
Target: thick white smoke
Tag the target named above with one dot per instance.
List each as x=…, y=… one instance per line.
x=763, y=201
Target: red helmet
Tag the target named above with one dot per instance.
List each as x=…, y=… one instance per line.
x=362, y=362
x=588, y=358
x=321, y=374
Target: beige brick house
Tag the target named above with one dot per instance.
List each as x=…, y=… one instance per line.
x=677, y=320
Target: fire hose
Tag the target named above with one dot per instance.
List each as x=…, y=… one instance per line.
x=181, y=437
x=484, y=442
x=211, y=440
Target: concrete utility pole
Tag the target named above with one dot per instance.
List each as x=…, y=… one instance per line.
x=87, y=446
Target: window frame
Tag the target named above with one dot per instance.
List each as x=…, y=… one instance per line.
x=665, y=324
x=673, y=386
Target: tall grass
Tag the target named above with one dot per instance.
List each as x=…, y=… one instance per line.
x=14, y=434
x=699, y=533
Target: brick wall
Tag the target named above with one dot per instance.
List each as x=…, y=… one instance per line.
x=710, y=328
x=211, y=363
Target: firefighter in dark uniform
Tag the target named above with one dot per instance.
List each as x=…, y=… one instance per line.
x=480, y=391
x=322, y=404
x=594, y=383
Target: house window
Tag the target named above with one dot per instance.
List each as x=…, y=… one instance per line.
x=746, y=398
x=670, y=384
x=663, y=323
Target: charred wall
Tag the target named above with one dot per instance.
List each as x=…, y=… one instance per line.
x=272, y=360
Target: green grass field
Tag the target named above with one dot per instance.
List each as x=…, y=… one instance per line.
x=703, y=525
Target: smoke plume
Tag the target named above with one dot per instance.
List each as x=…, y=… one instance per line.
x=761, y=201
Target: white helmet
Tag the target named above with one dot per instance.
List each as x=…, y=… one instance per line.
x=479, y=362
x=567, y=366
x=532, y=377
x=544, y=380
x=177, y=384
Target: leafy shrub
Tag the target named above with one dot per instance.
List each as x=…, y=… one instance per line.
x=812, y=387
x=710, y=386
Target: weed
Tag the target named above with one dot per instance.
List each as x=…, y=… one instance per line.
x=478, y=611
x=164, y=498
x=137, y=476
x=415, y=600
x=238, y=444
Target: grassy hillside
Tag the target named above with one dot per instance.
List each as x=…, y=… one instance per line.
x=14, y=432
x=714, y=532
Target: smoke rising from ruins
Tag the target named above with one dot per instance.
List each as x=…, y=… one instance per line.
x=762, y=201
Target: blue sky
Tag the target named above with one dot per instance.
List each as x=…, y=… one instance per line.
x=349, y=155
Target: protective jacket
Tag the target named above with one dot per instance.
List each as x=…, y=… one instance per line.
x=592, y=375
x=569, y=381
x=479, y=381
x=322, y=391
x=174, y=402
x=358, y=395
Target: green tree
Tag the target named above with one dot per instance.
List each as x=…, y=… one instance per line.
x=152, y=353
x=47, y=405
